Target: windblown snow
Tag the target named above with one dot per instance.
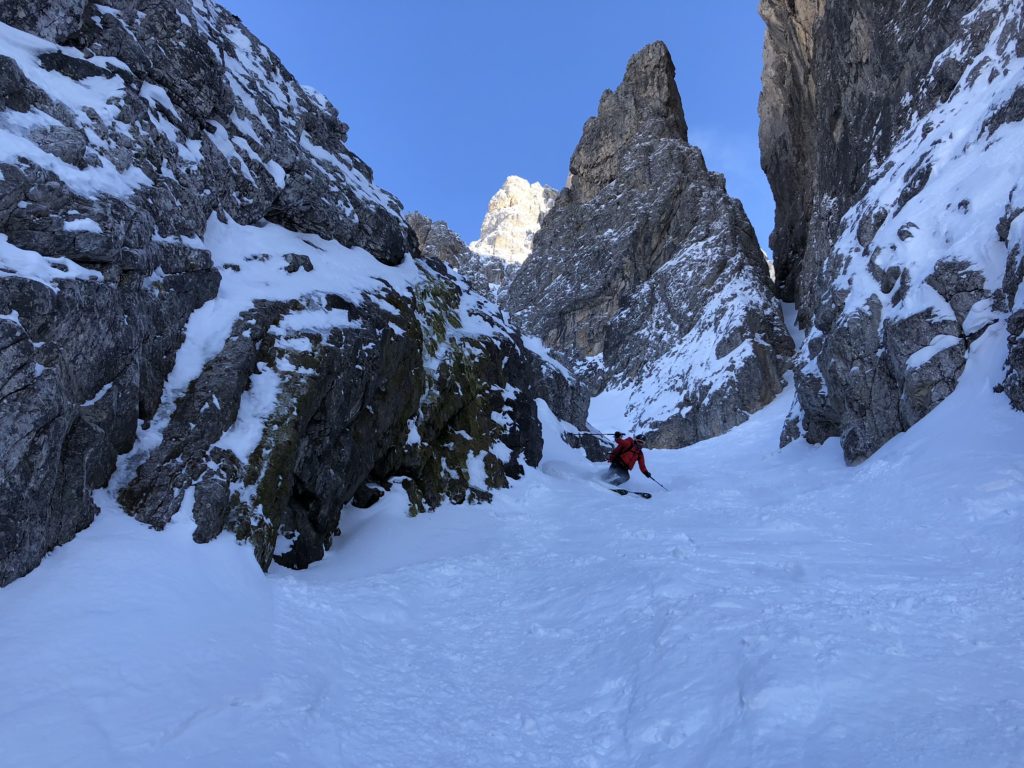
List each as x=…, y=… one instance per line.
x=772, y=608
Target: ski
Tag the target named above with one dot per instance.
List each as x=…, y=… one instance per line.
x=624, y=492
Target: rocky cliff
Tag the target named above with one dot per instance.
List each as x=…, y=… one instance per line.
x=646, y=276
x=892, y=138
x=487, y=275
x=207, y=306
x=513, y=217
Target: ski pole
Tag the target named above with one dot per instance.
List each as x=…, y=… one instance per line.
x=594, y=434
x=652, y=478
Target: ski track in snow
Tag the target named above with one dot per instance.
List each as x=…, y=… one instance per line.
x=776, y=608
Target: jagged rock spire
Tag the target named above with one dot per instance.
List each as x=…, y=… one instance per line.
x=646, y=277
x=646, y=104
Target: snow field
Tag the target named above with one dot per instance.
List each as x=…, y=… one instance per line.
x=776, y=608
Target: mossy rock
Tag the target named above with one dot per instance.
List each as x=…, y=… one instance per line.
x=416, y=503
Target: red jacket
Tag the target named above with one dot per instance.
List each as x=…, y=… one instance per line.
x=628, y=453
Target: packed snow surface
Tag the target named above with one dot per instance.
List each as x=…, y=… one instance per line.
x=773, y=608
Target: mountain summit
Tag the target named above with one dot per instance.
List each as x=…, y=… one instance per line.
x=646, y=104
x=513, y=217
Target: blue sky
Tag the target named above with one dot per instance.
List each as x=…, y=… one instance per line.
x=444, y=99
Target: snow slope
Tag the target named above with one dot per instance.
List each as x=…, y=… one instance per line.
x=776, y=608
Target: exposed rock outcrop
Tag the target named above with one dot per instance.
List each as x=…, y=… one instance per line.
x=513, y=217
x=567, y=397
x=647, y=278
x=897, y=251
x=506, y=237
x=315, y=402
x=204, y=297
x=53, y=20
x=487, y=275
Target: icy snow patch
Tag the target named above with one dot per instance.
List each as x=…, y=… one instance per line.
x=476, y=470
x=938, y=344
x=155, y=94
x=99, y=395
x=257, y=403
x=16, y=262
x=82, y=225
x=277, y=173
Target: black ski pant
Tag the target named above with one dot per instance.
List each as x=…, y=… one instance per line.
x=617, y=473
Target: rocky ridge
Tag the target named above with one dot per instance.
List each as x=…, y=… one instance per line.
x=514, y=214
x=487, y=275
x=896, y=250
x=646, y=277
x=208, y=307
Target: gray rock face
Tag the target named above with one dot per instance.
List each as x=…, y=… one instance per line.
x=646, y=277
x=1011, y=297
x=834, y=84
x=338, y=423
x=53, y=20
x=187, y=307
x=1014, y=382
x=487, y=275
x=646, y=104
x=896, y=251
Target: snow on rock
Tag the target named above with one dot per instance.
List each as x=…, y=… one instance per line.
x=906, y=230
x=47, y=270
x=310, y=372
x=83, y=225
x=513, y=217
x=487, y=275
x=217, y=310
x=646, y=277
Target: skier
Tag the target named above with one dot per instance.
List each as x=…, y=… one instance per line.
x=628, y=451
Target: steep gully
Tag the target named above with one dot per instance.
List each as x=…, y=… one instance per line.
x=240, y=426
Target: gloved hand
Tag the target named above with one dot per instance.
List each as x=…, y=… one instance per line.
x=618, y=435
x=647, y=474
